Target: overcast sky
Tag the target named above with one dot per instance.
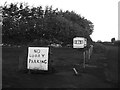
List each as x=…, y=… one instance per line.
x=103, y=14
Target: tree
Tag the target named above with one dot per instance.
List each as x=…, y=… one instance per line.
x=22, y=24
x=113, y=40
x=99, y=41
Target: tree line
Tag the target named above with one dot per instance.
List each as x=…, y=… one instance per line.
x=23, y=24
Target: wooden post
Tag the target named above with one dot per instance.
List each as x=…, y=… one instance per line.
x=84, y=59
x=91, y=49
x=89, y=53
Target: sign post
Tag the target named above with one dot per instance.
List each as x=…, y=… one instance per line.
x=37, y=58
x=81, y=43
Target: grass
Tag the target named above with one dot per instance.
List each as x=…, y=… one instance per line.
x=64, y=77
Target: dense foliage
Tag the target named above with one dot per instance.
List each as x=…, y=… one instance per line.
x=23, y=24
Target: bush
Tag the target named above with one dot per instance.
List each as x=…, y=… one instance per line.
x=99, y=48
x=117, y=43
x=41, y=42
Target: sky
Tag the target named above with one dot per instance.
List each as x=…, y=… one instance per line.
x=102, y=13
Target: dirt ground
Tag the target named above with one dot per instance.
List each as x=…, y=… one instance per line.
x=95, y=75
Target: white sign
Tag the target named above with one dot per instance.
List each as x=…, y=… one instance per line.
x=38, y=58
x=79, y=42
